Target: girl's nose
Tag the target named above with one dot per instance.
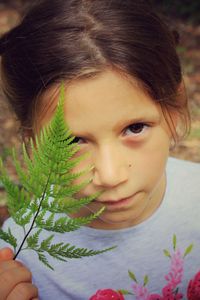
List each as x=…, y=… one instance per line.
x=110, y=168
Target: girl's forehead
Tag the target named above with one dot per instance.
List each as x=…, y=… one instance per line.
x=110, y=90
x=106, y=99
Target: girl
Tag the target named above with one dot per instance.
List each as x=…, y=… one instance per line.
x=126, y=105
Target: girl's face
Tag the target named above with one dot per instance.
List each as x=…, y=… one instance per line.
x=128, y=142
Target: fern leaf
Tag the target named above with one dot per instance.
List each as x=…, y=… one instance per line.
x=75, y=223
x=44, y=260
x=69, y=205
x=46, y=243
x=23, y=217
x=50, y=220
x=61, y=251
x=65, y=224
x=32, y=240
x=48, y=188
x=17, y=197
x=8, y=237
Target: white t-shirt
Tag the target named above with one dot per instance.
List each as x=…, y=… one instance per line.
x=139, y=248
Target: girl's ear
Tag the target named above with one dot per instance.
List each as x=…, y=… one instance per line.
x=26, y=134
x=176, y=115
x=182, y=99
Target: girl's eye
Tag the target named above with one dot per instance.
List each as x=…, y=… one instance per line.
x=78, y=140
x=136, y=129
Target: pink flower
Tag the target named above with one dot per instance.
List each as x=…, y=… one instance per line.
x=107, y=294
x=140, y=292
x=193, y=290
x=175, y=275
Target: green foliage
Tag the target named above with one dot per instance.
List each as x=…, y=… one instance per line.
x=167, y=253
x=125, y=292
x=174, y=242
x=194, y=133
x=188, y=249
x=132, y=276
x=8, y=237
x=185, y=9
x=146, y=280
x=47, y=188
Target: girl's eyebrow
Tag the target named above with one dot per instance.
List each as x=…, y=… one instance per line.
x=148, y=118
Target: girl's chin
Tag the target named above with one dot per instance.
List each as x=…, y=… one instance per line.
x=115, y=220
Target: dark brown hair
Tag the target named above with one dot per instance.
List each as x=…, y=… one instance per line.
x=68, y=39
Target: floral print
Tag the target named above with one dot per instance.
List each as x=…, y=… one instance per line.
x=140, y=292
x=173, y=279
x=107, y=294
x=175, y=275
x=193, y=291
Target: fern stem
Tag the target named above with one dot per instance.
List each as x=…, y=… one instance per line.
x=33, y=222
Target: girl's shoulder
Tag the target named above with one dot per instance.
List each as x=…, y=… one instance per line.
x=181, y=162
x=183, y=180
x=183, y=168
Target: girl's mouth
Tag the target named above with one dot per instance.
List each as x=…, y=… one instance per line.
x=117, y=203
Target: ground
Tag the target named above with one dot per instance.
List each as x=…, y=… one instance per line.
x=189, y=51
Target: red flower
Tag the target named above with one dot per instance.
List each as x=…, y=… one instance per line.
x=193, y=290
x=107, y=294
x=155, y=297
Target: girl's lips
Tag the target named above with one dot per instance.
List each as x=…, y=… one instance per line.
x=117, y=203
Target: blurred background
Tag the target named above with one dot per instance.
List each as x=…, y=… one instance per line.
x=182, y=15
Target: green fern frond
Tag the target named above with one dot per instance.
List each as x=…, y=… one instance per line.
x=47, y=189
x=65, y=224
x=63, y=251
x=68, y=205
x=32, y=240
x=44, y=260
x=73, y=252
x=8, y=237
x=17, y=197
x=23, y=216
x=46, y=243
